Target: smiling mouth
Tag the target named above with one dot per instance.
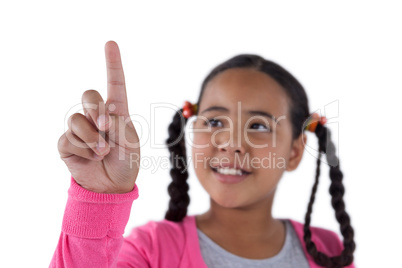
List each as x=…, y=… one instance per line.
x=230, y=171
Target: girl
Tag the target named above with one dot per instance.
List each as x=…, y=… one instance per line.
x=248, y=109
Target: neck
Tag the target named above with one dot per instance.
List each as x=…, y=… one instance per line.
x=254, y=222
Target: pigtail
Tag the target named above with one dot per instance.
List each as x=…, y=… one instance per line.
x=337, y=191
x=178, y=188
x=299, y=111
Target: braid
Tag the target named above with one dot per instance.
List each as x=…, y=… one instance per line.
x=337, y=191
x=178, y=188
x=298, y=111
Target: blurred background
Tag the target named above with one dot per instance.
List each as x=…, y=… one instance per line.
x=346, y=54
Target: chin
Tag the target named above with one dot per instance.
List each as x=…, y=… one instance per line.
x=229, y=201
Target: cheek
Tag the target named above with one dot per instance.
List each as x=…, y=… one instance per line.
x=266, y=142
x=270, y=160
x=201, y=142
x=201, y=152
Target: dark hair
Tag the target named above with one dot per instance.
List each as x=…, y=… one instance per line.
x=299, y=113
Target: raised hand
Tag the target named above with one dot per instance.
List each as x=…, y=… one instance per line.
x=101, y=148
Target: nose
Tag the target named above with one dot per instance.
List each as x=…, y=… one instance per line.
x=231, y=142
x=239, y=150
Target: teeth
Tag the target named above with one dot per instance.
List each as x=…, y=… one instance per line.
x=230, y=171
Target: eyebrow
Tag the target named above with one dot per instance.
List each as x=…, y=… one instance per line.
x=251, y=112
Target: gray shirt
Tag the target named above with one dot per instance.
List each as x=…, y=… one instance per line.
x=290, y=256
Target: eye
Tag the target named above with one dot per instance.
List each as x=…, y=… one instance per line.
x=213, y=122
x=261, y=127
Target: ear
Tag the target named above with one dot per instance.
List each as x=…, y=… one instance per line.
x=296, y=152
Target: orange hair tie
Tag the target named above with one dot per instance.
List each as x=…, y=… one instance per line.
x=313, y=122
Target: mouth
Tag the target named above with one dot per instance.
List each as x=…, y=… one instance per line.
x=230, y=171
x=230, y=175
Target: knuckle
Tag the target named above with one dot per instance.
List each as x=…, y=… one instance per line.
x=91, y=100
x=62, y=142
x=90, y=93
x=74, y=119
x=116, y=83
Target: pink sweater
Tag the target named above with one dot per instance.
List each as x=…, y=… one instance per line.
x=93, y=228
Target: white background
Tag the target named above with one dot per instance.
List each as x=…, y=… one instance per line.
x=348, y=52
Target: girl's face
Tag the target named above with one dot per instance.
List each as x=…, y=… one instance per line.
x=243, y=122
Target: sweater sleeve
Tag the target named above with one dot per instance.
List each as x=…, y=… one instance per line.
x=93, y=227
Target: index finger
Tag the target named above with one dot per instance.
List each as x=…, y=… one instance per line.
x=116, y=85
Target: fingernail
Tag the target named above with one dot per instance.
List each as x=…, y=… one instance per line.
x=102, y=120
x=101, y=147
x=98, y=157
